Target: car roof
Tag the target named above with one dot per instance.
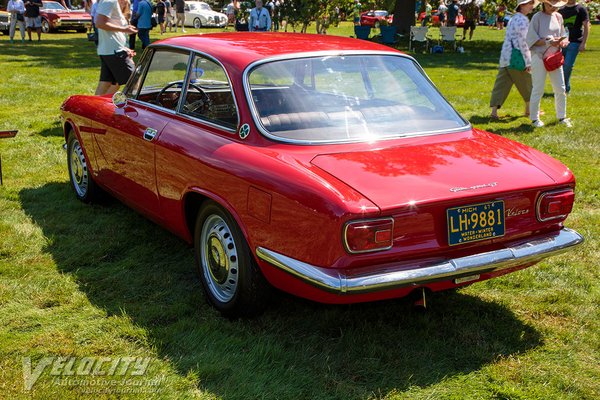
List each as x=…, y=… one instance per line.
x=243, y=48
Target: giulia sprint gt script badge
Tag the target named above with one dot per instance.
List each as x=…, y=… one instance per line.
x=474, y=187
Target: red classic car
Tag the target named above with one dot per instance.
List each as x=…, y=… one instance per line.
x=327, y=167
x=55, y=17
x=376, y=18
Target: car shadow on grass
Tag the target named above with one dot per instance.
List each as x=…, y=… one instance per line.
x=297, y=349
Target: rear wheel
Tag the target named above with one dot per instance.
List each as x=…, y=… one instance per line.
x=80, y=176
x=197, y=23
x=231, y=279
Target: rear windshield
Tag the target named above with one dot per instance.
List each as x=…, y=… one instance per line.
x=348, y=98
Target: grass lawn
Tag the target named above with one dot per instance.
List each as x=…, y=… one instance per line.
x=101, y=281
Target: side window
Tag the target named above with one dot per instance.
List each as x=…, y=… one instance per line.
x=163, y=83
x=209, y=95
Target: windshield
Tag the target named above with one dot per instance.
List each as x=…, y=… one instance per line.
x=348, y=98
x=52, y=5
x=199, y=6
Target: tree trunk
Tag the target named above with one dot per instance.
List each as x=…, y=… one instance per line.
x=404, y=16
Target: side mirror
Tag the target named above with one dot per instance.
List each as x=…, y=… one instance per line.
x=119, y=99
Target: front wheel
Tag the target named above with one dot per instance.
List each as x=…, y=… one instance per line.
x=197, y=23
x=80, y=176
x=231, y=279
x=45, y=26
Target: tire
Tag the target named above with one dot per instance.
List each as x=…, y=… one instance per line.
x=45, y=26
x=230, y=277
x=79, y=174
x=197, y=23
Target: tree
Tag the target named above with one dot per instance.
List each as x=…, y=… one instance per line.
x=404, y=15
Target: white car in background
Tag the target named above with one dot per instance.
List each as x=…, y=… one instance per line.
x=199, y=15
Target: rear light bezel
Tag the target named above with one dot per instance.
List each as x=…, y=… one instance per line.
x=543, y=196
x=367, y=221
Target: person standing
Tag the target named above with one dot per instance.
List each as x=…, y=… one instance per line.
x=116, y=59
x=16, y=8
x=453, y=11
x=577, y=21
x=169, y=15
x=441, y=12
x=144, y=22
x=161, y=13
x=515, y=38
x=427, y=17
x=471, y=19
x=547, y=34
x=132, y=18
x=180, y=13
x=260, y=19
x=32, y=17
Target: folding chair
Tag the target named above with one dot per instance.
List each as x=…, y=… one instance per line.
x=362, y=31
x=418, y=34
x=448, y=35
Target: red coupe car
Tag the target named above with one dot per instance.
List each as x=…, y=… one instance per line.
x=327, y=167
x=376, y=18
x=55, y=17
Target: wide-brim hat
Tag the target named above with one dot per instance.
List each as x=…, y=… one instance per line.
x=521, y=2
x=556, y=3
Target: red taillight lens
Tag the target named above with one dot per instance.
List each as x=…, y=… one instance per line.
x=369, y=235
x=555, y=205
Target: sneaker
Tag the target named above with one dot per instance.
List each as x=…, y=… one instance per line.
x=537, y=123
x=183, y=30
x=566, y=122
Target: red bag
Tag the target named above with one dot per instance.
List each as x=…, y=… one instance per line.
x=554, y=60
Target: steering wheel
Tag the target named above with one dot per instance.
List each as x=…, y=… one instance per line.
x=173, y=98
x=199, y=106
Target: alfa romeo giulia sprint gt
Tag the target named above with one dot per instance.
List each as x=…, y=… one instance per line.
x=327, y=167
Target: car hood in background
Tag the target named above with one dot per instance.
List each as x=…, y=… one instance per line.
x=404, y=175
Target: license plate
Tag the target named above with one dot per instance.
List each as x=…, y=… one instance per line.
x=475, y=222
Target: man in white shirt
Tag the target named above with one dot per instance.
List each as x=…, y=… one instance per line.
x=260, y=19
x=116, y=59
x=16, y=8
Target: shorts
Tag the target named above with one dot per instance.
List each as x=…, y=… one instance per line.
x=161, y=19
x=470, y=25
x=116, y=68
x=33, y=22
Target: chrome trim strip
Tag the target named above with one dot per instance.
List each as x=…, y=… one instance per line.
x=269, y=135
x=331, y=280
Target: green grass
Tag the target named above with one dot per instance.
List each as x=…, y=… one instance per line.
x=80, y=280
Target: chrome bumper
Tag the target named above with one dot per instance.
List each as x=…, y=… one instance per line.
x=335, y=281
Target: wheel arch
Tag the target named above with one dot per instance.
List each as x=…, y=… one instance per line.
x=193, y=200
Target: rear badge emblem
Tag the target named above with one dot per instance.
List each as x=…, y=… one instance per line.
x=244, y=131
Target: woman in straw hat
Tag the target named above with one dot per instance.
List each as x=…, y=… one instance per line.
x=547, y=34
x=516, y=34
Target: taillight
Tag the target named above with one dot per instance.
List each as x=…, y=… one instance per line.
x=369, y=235
x=555, y=205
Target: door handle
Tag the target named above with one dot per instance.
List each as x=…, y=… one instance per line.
x=149, y=134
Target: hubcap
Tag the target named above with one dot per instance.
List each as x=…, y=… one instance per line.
x=219, y=258
x=79, y=171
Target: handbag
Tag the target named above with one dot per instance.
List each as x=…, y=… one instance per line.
x=154, y=21
x=554, y=60
x=517, y=61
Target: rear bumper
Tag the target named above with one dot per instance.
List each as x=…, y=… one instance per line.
x=518, y=254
